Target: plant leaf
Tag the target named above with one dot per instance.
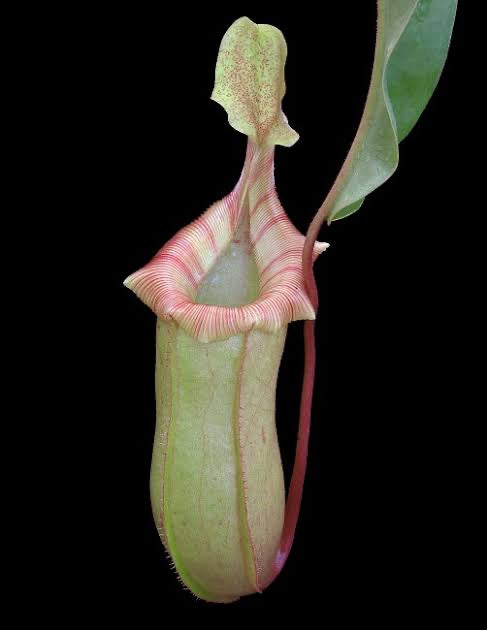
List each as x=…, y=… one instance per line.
x=412, y=43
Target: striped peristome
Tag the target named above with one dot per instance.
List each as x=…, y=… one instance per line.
x=168, y=284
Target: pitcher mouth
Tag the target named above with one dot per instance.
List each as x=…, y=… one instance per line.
x=170, y=282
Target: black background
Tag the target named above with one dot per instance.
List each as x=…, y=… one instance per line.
x=151, y=152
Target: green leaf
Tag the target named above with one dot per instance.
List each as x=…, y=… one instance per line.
x=412, y=43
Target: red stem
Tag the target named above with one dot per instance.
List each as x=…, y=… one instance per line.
x=295, y=494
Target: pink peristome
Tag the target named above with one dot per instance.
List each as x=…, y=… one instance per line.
x=168, y=284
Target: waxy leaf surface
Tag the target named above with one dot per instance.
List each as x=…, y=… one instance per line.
x=412, y=43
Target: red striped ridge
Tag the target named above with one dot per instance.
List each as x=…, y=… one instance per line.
x=168, y=284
